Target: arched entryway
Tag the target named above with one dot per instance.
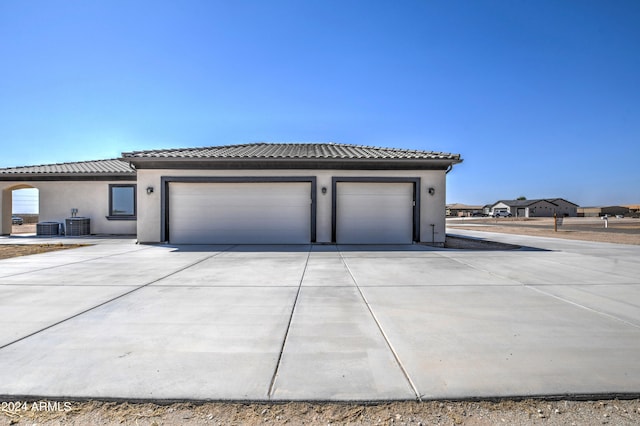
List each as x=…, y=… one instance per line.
x=22, y=201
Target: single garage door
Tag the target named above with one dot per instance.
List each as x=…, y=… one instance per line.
x=374, y=212
x=240, y=213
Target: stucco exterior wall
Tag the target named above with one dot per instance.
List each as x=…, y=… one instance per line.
x=501, y=207
x=543, y=209
x=57, y=198
x=5, y=212
x=566, y=209
x=432, y=207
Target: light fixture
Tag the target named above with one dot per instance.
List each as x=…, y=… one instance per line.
x=431, y=191
x=149, y=189
x=324, y=189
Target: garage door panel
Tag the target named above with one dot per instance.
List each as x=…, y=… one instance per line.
x=240, y=213
x=374, y=213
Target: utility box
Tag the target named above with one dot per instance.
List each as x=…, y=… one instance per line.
x=77, y=226
x=47, y=229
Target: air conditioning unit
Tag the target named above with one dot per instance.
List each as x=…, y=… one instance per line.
x=47, y=229
x=77, y=226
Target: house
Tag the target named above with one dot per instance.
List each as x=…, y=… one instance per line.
x=463, y=210
x=603, y=211
x=634, y=209
x=255, y=193
x=95, y=189
x=536, y=208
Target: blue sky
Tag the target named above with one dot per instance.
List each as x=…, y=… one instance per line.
x=541, y=98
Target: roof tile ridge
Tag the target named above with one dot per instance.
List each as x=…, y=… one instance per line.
x=183, y=149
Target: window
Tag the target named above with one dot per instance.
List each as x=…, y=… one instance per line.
x=122, y=202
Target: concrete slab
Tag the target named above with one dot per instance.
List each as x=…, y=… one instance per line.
x=334, y=351
x=424, y=271
x=133, y=268
x=55, y=259
x=327, y=271
x=243, y=269
x=27, y=309
x=214, y=322
x=617, y=301
x=270, y=250
x=458, y=342
x=527, y=269
x=192, y=343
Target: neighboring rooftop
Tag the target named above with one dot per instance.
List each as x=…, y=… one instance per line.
x=98, y=167
x=264, y=150
x=525, y=203
x=459, y=206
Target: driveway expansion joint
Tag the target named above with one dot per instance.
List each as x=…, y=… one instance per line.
x=73, y=263
x=578, y=305
x=112, y=299
x=395, y=354
x=272, y=384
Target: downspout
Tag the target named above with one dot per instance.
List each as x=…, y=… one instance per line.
x=449, y=168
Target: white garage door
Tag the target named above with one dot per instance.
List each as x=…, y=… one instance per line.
x=240, y=213
x=374, y=213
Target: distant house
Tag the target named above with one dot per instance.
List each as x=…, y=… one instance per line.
x=463, y=210
x=634, y=209
x=602, y=211
x=546, y=207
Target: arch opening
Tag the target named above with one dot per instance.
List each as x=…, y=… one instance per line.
x=20, y=209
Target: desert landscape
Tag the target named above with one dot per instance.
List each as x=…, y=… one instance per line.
x=618, y=230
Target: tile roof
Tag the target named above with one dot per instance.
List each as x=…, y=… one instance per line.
x=98, y=167
x=521, y=203
x=525, y=203
x=460, y=206
x=264, y=150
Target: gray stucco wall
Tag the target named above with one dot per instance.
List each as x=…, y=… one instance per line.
x=57, y=198
x=432, y=207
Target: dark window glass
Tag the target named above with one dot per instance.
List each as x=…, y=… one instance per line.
x=123, y=200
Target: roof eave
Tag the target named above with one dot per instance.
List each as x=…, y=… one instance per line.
x=299, y=163
x=31, y=177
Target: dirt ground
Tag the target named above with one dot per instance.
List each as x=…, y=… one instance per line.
x=15, y=250
x=507, y=412
x=27, y=228
x=621, y=231
x=490, y=412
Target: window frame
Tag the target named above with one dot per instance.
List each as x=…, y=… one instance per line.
x=113, y=216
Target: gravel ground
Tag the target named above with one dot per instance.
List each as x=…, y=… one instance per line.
x=14, y=250
x=620, y=231
x=525, y=412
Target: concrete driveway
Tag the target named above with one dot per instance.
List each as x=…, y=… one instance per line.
x=120, y=320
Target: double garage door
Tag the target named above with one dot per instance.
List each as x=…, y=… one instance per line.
x=284, y=212
x=240, y=212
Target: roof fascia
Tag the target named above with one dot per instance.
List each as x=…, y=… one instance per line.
x=301, y=163
x=67, y=177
